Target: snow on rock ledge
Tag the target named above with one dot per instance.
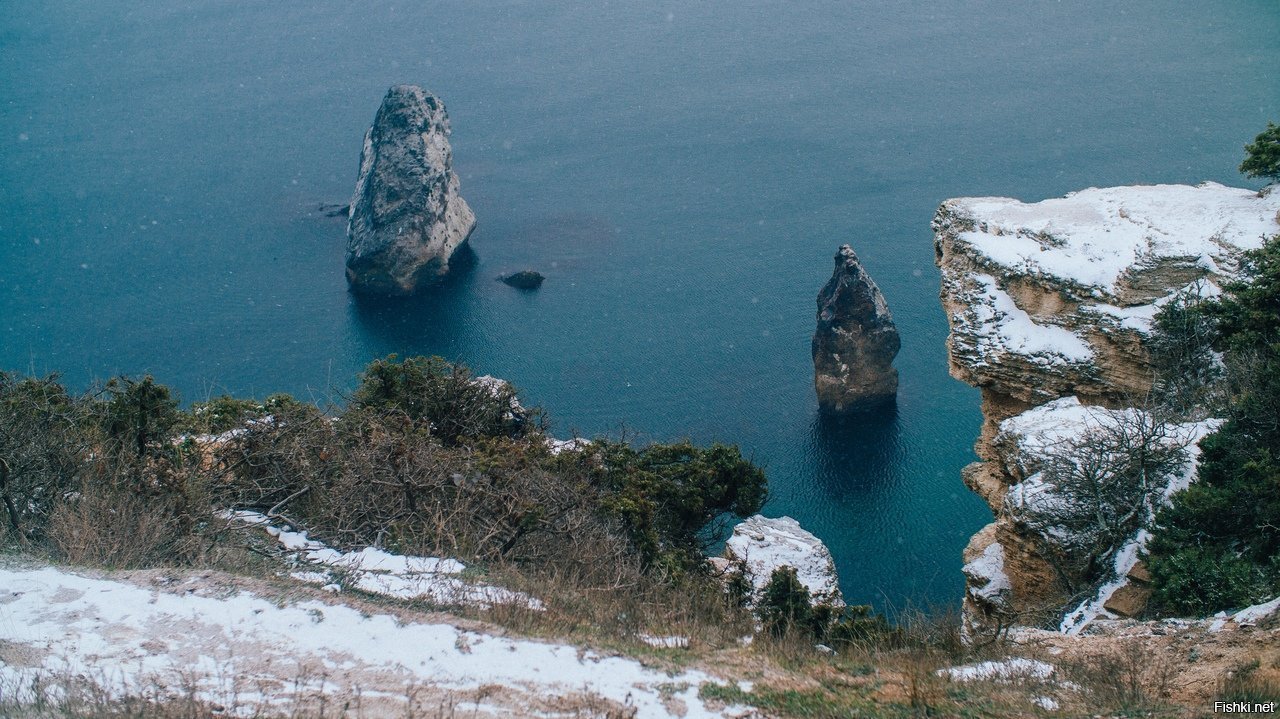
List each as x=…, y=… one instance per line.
x=762, y=545
x=1055, y=297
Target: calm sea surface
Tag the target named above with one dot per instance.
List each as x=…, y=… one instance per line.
x=681, y=172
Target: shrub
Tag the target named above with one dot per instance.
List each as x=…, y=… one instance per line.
x=222, y=414
x=665, y=495
x=860, y=626
x=1214, y=547
x=138, y=415
x=1200, y=581
x=444, y=397
x=1187, y=374
x=785, y=605
x=110, y=525
x=1262, y=156
x=45, y=445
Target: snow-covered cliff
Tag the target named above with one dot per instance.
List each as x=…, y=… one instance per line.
x=1052, y=300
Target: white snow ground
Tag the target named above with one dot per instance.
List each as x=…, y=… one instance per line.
x=247, y=651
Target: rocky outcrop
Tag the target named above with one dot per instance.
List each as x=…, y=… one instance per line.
x=407, y=218
x=855, y=342
x=1055, y=300
x=524, y=279
x=761, y=544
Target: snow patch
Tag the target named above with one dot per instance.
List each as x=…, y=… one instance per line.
x=1252, y=615
x=375, y=571
x=988, y=570
x=1001, y=327
x=671, y=642
x=1095, y=238
x=577, y=444
x=1004, y=669
x=1048, y=704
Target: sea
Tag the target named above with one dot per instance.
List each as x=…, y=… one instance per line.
x=681, y=172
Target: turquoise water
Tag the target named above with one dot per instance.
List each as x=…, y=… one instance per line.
x=682, y=173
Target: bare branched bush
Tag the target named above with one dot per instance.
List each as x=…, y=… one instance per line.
x=1095, y=490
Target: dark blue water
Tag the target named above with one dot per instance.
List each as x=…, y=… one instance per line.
x=681, y=172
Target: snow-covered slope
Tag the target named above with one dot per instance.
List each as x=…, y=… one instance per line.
x=249, y=652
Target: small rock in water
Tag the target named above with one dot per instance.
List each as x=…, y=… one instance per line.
x=524, y=279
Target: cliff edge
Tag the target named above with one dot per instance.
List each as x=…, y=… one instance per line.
x=1050, y=306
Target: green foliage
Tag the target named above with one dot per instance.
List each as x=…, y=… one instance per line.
x=786, y=608
x=44, y=450
x=138, y=414
x=826, y=700
x=664, y=495
x=1215, y=547
x=1188, y=376
x=443, y=397
x=1199, y=581
x=225, y=413
x=1249, y=311
x=1263, y=154
x=785, y=605
x=860, y=626
x=737, y=587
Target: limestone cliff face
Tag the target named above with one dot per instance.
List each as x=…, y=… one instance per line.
x=407, y=218
x=1054, y=300
x=855, y=342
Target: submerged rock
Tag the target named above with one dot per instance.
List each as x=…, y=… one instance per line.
x=407, y=218
x=856, y=341
x=760, y=545
x=332, y=209
x=524, y=279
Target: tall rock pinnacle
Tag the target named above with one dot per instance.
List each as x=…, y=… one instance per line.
x=406, y=216
x=856, y=341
